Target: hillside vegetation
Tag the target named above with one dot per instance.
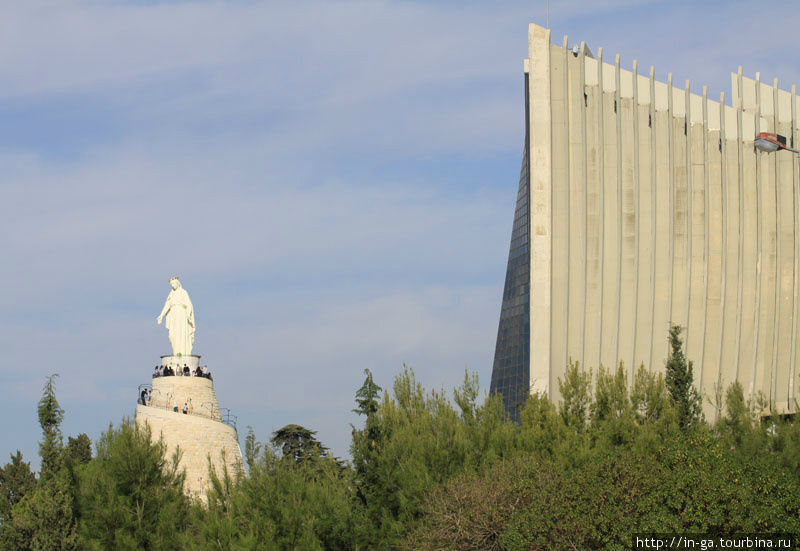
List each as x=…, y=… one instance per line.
x=612, y=459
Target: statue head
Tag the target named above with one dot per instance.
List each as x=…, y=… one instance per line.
x=174, y=282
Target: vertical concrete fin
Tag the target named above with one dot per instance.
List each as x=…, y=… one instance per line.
x=584, y=170
x=638, y=209
x=601, y=188
x=567, y=182
x=687, y=130
x=618, y=133
x=738, y=92
x=724, y=186
x=653, y=215
x=778, y=392
x=796, y=254
x=706, y=224
x=671, y=254
x=740, y=181
x=757, y=333
x=540, y=207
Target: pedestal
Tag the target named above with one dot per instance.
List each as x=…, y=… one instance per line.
x=200, y=433
x=180, y=361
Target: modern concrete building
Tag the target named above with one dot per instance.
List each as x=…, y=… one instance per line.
x=642, y=204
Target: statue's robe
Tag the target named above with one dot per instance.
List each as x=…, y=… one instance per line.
x=180, y=321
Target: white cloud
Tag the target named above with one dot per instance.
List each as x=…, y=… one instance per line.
x=333, y=180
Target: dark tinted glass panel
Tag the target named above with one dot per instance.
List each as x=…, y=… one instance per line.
x=510, y=373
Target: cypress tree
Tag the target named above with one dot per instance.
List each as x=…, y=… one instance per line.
x=50, y=417
x=367, y=396
x=679, y=379
x=44, y=518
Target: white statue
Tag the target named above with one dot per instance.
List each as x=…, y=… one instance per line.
x=180, y=319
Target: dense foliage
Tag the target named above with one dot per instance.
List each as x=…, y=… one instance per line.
x=615, y=457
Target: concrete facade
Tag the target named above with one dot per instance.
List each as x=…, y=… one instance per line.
x=649, y=205
x=200, y=434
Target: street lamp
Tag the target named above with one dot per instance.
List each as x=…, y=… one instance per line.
x=769, y=142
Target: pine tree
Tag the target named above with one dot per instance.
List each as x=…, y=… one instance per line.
x=680, y=382
x=50, y=417
x=16, y=480
x=44, y=519
x=79, y=449
x=575, y=396
x=131, y=495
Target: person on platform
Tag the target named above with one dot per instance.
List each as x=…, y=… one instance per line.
x=155, y=373
x=185, y=408
x=198, y=372
x=143, y=397
x=186, y=371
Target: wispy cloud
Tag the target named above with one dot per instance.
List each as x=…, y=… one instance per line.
x=333, y=180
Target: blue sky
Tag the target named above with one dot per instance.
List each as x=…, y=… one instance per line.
x=333, y=181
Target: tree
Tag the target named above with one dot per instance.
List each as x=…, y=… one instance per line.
x=649, y=398
x=44, y=519
x=298, y=443
x=251, y=448
x=366, y=396
x=575, y=396
x=131, y=496
x=16, y=480
x=738, y=420
x=50, y=417
x=680, y=382
x=611, y=395
x=282, y=505
x=466, y=396
x=79, y=449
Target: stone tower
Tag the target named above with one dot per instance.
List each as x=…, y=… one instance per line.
x=200, y=433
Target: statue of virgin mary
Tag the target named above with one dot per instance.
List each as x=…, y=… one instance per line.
x=180, y=319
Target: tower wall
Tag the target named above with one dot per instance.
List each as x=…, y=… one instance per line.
x=200, y=435
x=198, y=392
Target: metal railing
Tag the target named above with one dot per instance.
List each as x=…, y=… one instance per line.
x=192, y=373
x=142, y=388
x=229, y=418
x=210, y=410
